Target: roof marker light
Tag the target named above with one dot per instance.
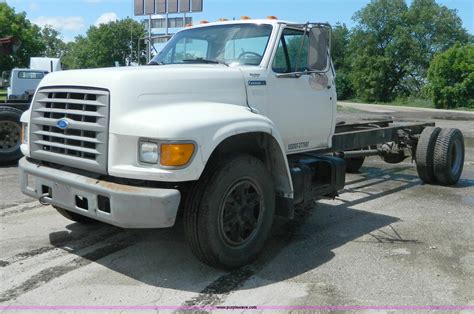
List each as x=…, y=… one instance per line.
x=245, y=17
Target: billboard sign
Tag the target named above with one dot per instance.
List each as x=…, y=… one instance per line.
x=149, y=7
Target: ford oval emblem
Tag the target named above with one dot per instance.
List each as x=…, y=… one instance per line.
x=63, y=124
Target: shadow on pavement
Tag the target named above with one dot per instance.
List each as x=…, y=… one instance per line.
x=161, y=258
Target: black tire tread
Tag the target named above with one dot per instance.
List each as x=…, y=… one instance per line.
x=441, y=157
x=192, y=213
x=425, y=152
x=353, y=165
x=6, y=158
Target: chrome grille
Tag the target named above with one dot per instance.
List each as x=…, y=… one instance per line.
x=83, y=143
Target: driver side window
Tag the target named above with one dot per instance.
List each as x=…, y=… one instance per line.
x=292, y=52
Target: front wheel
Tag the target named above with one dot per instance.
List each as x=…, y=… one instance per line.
x=230, y=212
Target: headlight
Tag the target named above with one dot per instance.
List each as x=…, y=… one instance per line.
x=166, y=154
x=24, y=133
x=149, y=152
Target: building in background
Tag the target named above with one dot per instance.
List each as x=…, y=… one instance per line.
x=164, y=19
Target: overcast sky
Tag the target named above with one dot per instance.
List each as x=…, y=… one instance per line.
x=73, y=17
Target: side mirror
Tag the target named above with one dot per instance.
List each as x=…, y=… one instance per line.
x=319, y=56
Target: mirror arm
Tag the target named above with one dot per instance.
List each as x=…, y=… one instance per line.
x=301, y=46
x=299, y=74
x=290, y=75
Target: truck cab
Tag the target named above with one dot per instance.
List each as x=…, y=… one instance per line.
x=23, y=83
x=231, y=124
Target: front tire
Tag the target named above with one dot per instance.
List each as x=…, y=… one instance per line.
x=230, y=212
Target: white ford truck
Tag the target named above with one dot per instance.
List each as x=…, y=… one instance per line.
x=231, y=124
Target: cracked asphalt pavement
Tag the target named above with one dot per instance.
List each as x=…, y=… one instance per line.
x=387, y=240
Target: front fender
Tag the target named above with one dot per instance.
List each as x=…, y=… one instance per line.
x=207, y=124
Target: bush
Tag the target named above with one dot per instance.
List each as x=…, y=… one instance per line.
x=344, y=87
x=451, y=78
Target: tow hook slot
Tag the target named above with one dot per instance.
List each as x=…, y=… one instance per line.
x=47, y=195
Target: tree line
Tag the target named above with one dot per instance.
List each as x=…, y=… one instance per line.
x=394, y=51
x=101, y=46
x=400, y=51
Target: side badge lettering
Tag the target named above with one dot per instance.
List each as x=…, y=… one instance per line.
x=257, y=83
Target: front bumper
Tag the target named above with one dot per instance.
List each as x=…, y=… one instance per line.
x=124, y=206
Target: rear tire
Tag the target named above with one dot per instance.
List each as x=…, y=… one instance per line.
x=353, y=165
x=449, y=156
x=425, y=153
x=229, y=212
x=10, y=133
x=75, y=217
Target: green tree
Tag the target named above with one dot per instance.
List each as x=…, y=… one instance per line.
x=379, y=49
x=340, y=39
x=393, y=44
x=105, y=44
x=451, y=77
x=340, y=56
x=433, y=28
x=54, y=46
x=18, y=26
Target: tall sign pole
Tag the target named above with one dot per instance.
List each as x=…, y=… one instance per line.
x=148, y=55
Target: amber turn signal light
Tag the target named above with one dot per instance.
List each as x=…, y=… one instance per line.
x=176, y=155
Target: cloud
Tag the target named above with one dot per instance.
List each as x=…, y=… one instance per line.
x=106, y=18
x=33, y=6
x=61, y=23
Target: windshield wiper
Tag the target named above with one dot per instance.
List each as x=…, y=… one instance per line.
x=155, y=63
x=207, y=61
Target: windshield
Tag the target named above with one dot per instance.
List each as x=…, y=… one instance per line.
x=233, y=44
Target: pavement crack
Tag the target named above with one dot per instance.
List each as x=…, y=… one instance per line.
x=75, y=245
x=20, y=210
x=217, y=290
x=48, y=274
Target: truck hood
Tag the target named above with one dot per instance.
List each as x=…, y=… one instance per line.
x=139, y=89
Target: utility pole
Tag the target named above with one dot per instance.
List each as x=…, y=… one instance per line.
x=148, y=56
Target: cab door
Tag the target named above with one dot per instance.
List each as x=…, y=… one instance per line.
x=302, y=106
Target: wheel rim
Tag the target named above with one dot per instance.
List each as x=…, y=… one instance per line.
x=456, y=157
x=241, y=212
x=9, y=136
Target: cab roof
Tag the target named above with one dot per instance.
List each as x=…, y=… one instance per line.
x=249, y=21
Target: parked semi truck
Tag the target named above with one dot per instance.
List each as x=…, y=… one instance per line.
x=22, y=84
x=231, y=124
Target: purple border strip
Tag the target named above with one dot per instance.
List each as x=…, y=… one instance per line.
x=213, y=308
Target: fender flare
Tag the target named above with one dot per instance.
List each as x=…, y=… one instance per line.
x=258, y=124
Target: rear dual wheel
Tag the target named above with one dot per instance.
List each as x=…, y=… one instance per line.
x=440, y=155
x=448, y=156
